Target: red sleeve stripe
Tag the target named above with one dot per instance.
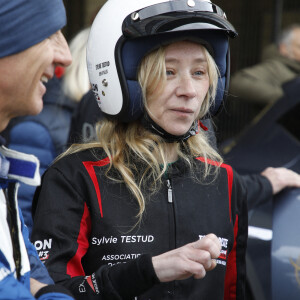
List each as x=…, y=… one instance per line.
x=229, y=176
x=231, y=269
x=74, y=266
x=89, y=165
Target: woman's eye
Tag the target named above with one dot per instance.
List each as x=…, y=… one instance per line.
x=199, y=73
x=169, y=72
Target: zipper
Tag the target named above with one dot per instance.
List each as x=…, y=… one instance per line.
x=170, y=191
x=12, y=216
x=171, y=286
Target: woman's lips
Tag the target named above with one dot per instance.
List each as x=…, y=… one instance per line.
x=183, y=110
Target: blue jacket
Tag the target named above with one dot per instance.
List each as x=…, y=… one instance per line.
x=44, y=135
x=19, y=263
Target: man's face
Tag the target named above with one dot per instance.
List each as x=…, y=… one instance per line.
x=292, y=49
x=22, y=77
x=295, y=45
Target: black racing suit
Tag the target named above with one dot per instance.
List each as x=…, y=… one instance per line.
x=84, y=230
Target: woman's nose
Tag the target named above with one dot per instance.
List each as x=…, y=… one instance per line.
x=62, y=54
x=186, y=87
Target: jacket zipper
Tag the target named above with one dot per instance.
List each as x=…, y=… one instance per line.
x=12, y=214
x=171, y=285
x=170, y=191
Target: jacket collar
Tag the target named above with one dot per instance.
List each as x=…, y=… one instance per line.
x=19, y=167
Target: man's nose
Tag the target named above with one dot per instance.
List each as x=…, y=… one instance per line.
x=62, y=54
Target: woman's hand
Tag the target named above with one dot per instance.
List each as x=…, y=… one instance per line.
x=193, y=259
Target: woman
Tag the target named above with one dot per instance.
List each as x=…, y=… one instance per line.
x=149, y=211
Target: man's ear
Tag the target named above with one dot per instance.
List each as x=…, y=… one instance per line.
x=283, y=50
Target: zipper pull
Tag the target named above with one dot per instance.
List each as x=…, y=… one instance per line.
x=170, y=193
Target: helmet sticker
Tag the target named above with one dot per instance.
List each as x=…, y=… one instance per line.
x=101, y=67
x=95, y=91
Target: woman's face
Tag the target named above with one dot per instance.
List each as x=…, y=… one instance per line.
x=23, y=76
x=177, y=105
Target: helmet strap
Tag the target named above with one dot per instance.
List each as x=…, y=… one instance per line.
x=150, y=125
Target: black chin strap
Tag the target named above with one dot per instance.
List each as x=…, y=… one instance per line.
x=150, y=125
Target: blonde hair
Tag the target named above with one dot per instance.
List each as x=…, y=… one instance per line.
x=76, y=79
x=130, y=145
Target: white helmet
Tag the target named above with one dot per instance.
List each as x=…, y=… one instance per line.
x=123, y=32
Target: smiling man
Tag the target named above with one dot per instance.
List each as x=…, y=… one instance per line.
x=31, y=45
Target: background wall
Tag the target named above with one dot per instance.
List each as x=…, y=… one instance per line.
x=258, y=23
x=80, y=14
